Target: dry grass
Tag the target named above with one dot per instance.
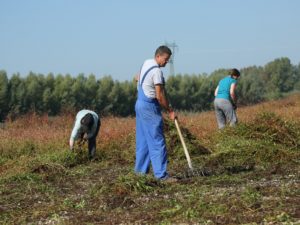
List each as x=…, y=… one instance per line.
x=47, y=129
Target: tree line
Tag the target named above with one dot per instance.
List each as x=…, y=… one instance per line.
x=64, y=93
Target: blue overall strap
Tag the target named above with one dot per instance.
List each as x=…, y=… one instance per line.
x=147, y=73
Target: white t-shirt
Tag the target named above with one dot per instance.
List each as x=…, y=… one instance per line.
x=77, y=126
x=154, y=77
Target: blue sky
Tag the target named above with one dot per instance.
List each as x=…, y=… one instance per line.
x=114, y=37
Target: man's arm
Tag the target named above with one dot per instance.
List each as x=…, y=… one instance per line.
x=163, y=101
x=71, y=143
x=74, y=134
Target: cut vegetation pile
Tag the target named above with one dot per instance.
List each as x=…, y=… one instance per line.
x=268, y=143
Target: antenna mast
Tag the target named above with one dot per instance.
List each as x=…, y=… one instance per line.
x=173, y=46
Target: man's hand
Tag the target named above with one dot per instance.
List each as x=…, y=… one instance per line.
x=71, y=144
x=172, y=114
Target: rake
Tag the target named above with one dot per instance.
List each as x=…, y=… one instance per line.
x=192, y=172
x=187, y=155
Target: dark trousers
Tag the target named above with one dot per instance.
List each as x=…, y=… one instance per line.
x=92, y=142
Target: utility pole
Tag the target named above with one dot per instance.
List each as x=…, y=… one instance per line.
x=173, y=46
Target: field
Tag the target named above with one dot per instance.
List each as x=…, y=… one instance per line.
x=245, y=175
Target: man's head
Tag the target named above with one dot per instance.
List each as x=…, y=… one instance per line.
x=87, y=122
x=234, y=73
x=162, y=55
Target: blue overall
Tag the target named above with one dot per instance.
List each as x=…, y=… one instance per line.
x=150, y=140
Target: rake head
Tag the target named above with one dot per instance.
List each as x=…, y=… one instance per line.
x=195, y=172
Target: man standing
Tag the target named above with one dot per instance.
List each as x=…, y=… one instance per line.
x=150, y=140
x=86, y=128
x=225, y=100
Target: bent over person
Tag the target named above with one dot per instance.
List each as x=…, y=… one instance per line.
x=150, y=140
x=225, y=100
x=86, y=128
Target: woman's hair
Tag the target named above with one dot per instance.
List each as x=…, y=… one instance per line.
x=235, y=72
x=87, y=120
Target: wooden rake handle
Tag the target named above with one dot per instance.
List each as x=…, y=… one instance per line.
x=187, y=155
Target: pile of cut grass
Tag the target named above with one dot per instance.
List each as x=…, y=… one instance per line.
x=268, y=143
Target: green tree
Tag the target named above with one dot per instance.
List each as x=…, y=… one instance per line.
x=17, y=91
x=35, y=85
x=50, y=101
x=172, y=87
x=4, y=95
x=63, y=92
x=251, y=87
x=279, y=77
x=105, y=86
x=118, y=100
x=91, y=87
x=78, y=91
x=190, y=92
x=129, y=90
x=53, y=95
x=297, y=82
x=205, y=93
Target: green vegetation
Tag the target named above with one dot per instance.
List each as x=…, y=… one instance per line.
x=252, y=177
x=266, y=143
x=56, y=94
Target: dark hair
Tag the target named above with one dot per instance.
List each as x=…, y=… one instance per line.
x=235, y=72
x=163, y=50
x=87, y=120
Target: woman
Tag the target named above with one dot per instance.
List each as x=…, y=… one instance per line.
x=225, y=100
